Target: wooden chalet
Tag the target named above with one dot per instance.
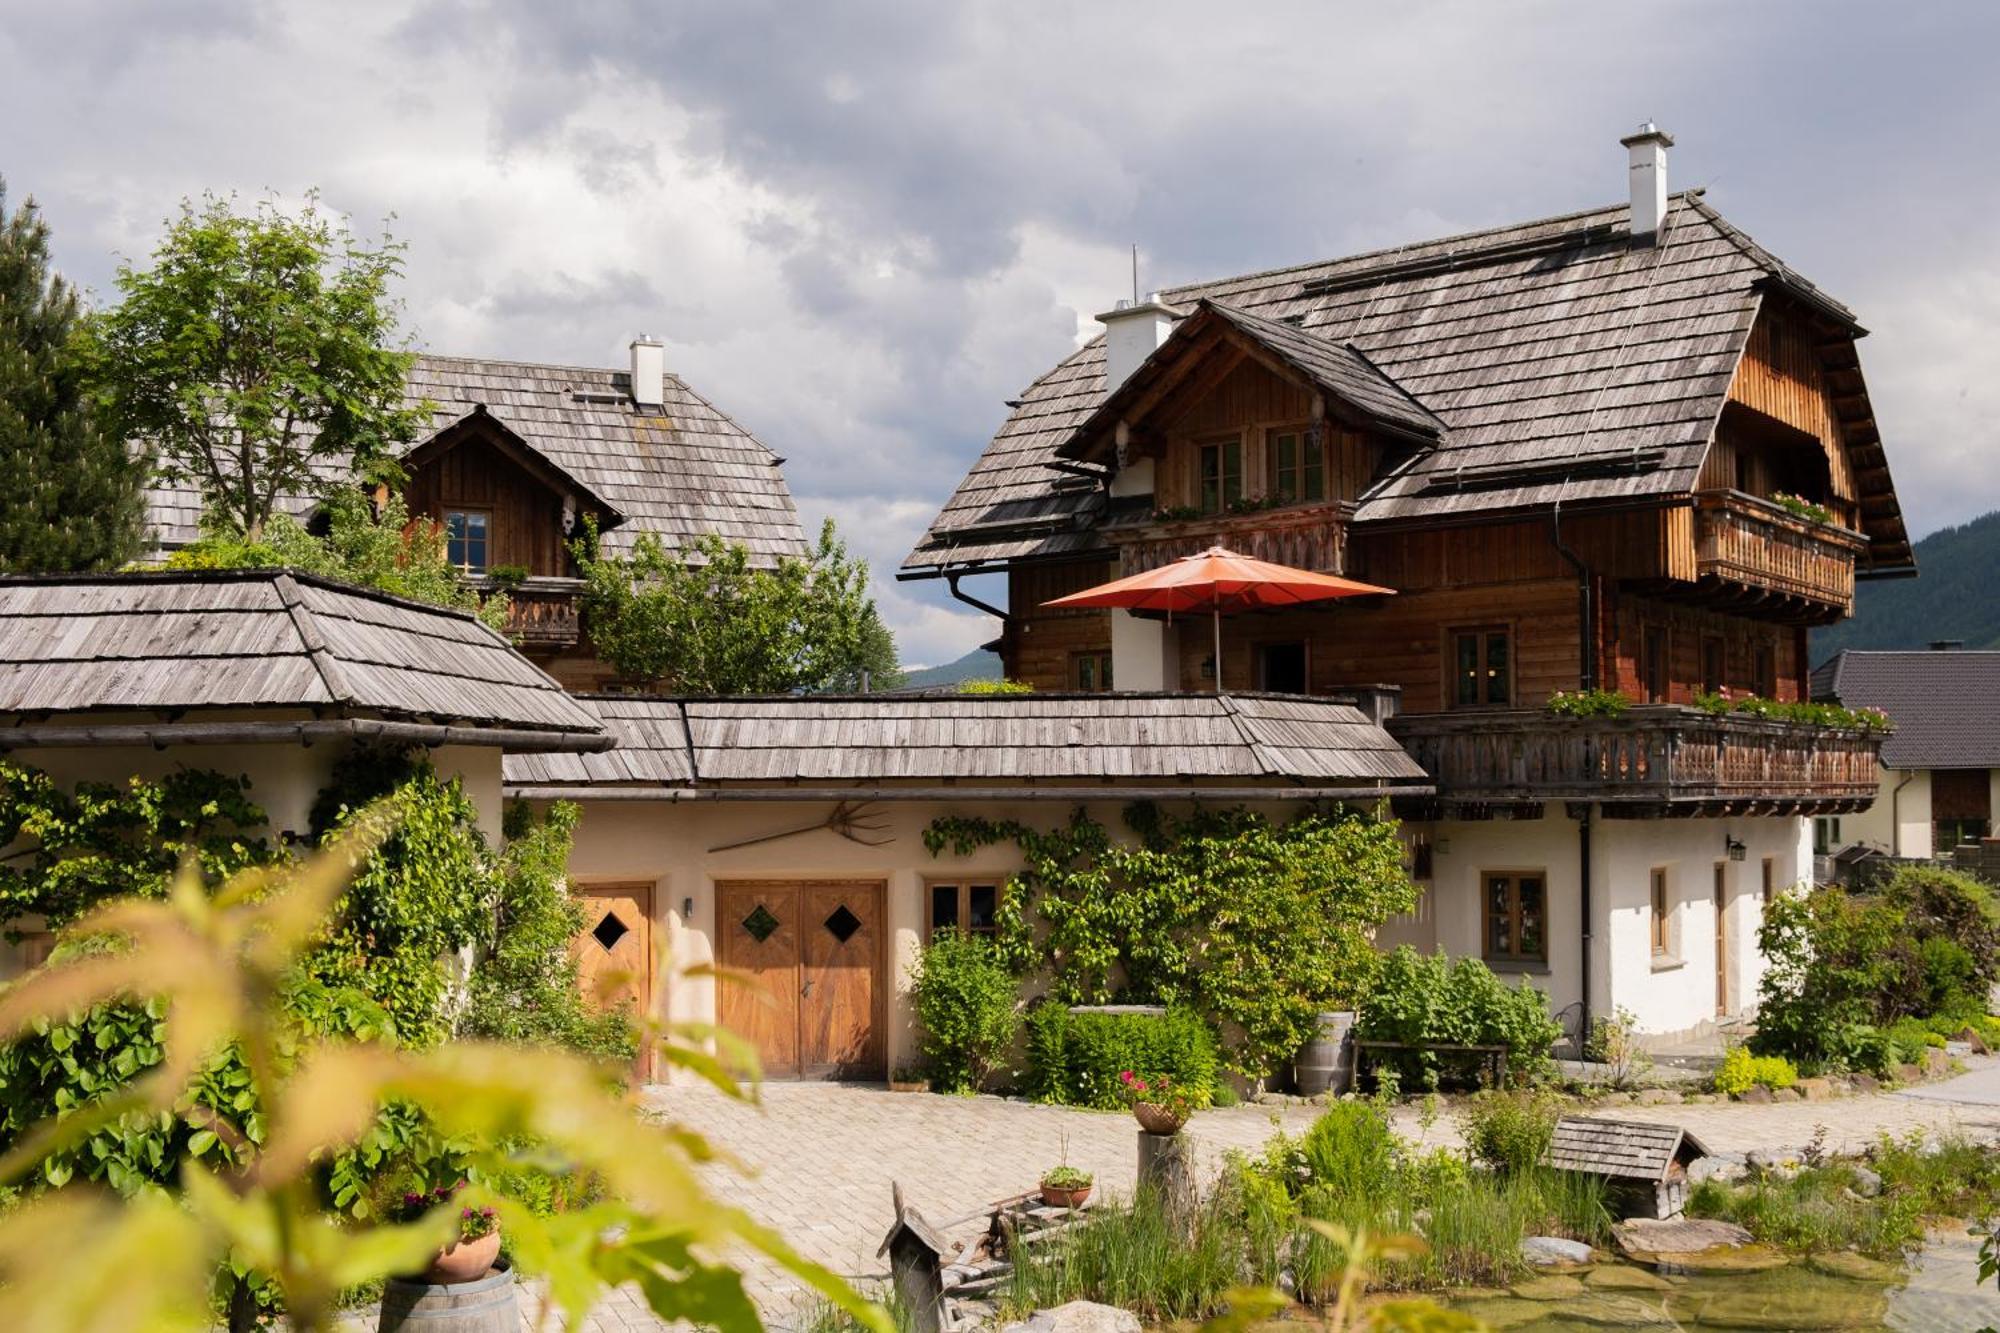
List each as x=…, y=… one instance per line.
x=1624, y=449
x=518, y=455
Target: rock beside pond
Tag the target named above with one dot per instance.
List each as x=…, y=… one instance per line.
x=1724, y=1169
x=1866, y=1183
x=1554, y=1288
x=1624, y=1277
x=1613, y=1312
x=1725, y=1259
x=1501, y=1314
x=1555, y=1252
x=1080, y=1317
x=1676, y=1235
x=1855, y=1267
x=1786, y=1308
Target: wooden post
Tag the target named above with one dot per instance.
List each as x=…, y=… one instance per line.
x=916, y=1255
x=1166, y=1168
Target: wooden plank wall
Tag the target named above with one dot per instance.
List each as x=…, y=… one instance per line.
x=1687, y=628
x=1780, y=378
x=527, y=516
x=1250, y=402
x=1038, y=644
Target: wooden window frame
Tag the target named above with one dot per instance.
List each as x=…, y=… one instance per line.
x=1514, y=956
x=1660, y=913
x=1662, y=690
x=1099, y=661
x=1764, y=665
x=1221, y=444
x=963, y=885
x=1309, y=438
x=1449, y=652
x=448, y=510
x=1717, y=681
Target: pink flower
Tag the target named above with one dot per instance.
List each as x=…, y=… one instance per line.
x=1127, y=1076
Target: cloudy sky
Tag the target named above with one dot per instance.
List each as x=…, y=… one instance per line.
x=861, y=226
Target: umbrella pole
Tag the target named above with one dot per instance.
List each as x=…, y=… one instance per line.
x=1216, y=616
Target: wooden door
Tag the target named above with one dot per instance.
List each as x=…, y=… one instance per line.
x=1721, y=937
x=808, y=991
x=759, y=928
x=839, y=1035
x=615, y=952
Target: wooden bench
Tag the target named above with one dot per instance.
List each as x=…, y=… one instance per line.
x=1490, y=1060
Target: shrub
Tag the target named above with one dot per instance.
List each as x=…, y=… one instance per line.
x=1589, y=703
x=1511, y=1131
x=1421, y=999
x=1740, y=1071
x=967, y=1002
x=1076, y=1058
x=1350, y=1153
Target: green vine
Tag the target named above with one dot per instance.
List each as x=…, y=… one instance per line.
x=1257, y=926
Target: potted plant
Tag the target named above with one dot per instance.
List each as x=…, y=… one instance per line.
x=909, y=1078
x=1159, y=1104
x=1065, y=1186
x=467, y=1258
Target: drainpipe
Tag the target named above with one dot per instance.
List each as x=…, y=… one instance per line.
x=951, y=582
x=1586, y=600
x=1896, y=813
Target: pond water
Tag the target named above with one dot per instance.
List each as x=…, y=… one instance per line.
x=1937, y=1295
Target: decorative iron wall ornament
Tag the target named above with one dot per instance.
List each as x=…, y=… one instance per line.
x=852, y=820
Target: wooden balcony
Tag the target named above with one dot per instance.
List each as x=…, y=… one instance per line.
x=1303, y=536
x=1752, y=555
x=543, y=614
x=1654, y=760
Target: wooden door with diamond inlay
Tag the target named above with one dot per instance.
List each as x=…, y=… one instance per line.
x=810, y=993
x=614, y=952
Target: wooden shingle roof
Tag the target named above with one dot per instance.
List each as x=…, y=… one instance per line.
x=177, y=644
x=1625, y=1149
x=678, y=471
x=1563, y=362
x=1102, y=739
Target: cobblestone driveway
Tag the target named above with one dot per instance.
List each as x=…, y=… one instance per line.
x=821, y=1156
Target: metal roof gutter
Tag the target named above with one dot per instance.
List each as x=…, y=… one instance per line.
x=520, y=740
x=534, y=792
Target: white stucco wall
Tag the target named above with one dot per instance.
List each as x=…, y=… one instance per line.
x=1670, y=995
x=1899, y=822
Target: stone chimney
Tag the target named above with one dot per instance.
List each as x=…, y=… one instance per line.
x=1648, y=172
x=649, y=372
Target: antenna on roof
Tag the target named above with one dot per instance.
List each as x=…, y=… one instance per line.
x=1135, y=273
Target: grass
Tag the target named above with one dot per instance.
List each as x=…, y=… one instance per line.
x=1134, y=1258
x=1821, y=1209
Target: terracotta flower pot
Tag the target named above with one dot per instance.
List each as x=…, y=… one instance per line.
x=909, y=1085
x=465, y=1260
x=1157, y=1119
x=1055, y=1196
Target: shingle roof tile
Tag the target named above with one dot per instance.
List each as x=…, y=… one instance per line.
x=1945, y=703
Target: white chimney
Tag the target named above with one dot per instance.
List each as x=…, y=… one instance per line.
x=1648, y=149
x=1131, y=332
x=649, y=371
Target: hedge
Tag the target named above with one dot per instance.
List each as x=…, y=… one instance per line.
x=1075, y=1058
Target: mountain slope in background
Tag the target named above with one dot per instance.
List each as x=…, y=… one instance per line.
x=975, y=665
x=1956, y=595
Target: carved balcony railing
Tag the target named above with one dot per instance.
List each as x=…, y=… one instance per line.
x=1742, y=542
x=1302, y=536
x=543, y=613
x=1651, y=760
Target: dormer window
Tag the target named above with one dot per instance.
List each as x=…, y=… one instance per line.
x=1221, y=474
x=466, y=532
x=1298, y=465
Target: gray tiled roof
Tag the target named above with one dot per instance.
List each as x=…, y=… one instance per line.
x=1101, y=738
x=684, y=470
x=1945, y=703
x=166, y=643
x=1551, y=350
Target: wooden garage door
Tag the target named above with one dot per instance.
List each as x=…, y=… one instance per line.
x=614, y=952
x=811, y=958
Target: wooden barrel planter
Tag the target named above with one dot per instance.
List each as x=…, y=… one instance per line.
x=484, y=1305
x=1326, y=1064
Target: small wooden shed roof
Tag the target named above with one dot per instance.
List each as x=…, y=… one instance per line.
x=88, y=657
x=1246, y=741
x=1625, y=1149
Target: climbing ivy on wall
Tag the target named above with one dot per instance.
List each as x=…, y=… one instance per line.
x=1257, y=925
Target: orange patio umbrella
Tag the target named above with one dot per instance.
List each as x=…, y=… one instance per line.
x=1215, y=581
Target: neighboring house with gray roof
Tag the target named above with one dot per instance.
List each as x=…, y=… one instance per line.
x=517, y=455
x=1941, y=765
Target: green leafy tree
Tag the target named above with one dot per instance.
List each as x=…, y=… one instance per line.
x=708, y=622
x=380, y=548
x=73, y=490
x=259, y=356
x=1257, y=926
